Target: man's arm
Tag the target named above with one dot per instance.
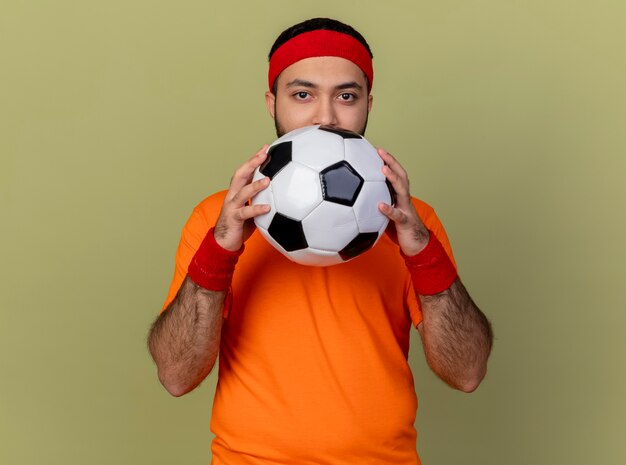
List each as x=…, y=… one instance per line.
x=456, y=335
x=184, y=340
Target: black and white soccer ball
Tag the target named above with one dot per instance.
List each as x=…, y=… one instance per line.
x=325, y=187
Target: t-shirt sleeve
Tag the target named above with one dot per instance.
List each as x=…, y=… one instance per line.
x=203, y=217
x=432, y=222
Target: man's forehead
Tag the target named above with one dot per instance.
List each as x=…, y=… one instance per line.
x=327, y=71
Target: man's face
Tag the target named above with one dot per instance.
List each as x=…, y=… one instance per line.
x=330, y=91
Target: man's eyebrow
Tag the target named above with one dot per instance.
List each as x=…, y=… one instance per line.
x=301, y=83
x=310, y=85
x=349, y=85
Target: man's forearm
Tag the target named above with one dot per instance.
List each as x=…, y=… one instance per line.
x=184, y=341
x=457, y=337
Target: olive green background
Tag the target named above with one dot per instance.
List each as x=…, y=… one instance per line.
x=117, y=117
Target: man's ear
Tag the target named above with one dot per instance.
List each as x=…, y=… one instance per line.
x=370, y=100
x=270, y=102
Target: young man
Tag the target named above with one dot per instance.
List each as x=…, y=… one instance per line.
x=313, y=361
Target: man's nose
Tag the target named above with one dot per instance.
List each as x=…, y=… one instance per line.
x=325, y=114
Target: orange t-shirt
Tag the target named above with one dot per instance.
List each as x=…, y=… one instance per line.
x=313, y=360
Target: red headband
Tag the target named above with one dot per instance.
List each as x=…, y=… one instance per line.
x=320, y=43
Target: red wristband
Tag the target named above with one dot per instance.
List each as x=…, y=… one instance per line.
x=431, y=269
x=212, y=266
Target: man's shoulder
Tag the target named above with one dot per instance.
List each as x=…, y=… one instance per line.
x=427, y=215
x=211, y=202
x=205, y=213
x=422, y=207
x=211, y=205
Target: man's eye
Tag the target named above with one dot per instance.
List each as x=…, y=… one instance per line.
x=347, y=97
x=302, y=95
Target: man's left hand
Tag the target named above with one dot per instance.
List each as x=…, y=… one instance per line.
x=405, y=228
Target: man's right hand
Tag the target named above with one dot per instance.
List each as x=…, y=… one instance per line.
x=235, y=223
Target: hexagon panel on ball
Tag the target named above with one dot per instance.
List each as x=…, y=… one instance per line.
x=368, y=217
x=295, y=133
x=315, y=257
x=330, y=227
x=297, y=191
x=318, y=149
x=365, y=159
x=266, y=196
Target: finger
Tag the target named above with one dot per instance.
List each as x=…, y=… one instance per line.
x=394, y=214
x=248, y=191
x=393, y=166
x=397, y=177
x=392, y=176
x=400, y=186
x=251, y=211
x=391, y=161
x=244, y=173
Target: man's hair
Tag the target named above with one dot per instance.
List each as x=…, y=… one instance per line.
x=316, y=24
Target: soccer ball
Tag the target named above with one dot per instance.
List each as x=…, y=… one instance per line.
x=325, y=187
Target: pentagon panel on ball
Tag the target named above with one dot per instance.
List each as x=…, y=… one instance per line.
x=341, y=183
x=278, y=156
x=287, y=232
x=358, y=245
x=325, y=187
x=344, y=133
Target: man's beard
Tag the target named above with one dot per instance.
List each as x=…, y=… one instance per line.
x=280, y=131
